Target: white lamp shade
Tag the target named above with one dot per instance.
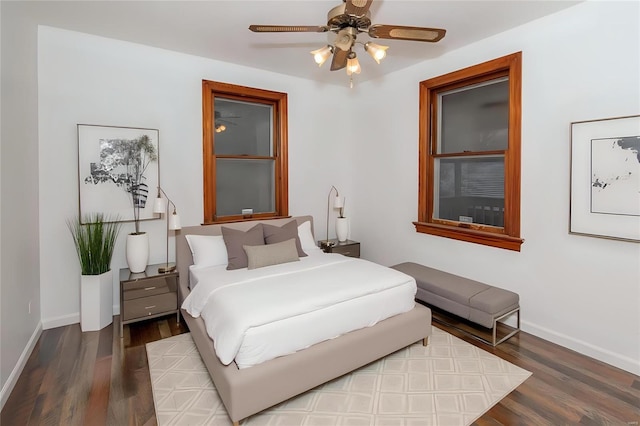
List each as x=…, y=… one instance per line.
x=338, y=202
x=158, y=205
x=174, y=222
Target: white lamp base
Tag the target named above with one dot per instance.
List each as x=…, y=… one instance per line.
x=342, y=228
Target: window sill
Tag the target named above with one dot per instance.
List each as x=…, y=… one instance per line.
x=239, y=218
x=470, y=235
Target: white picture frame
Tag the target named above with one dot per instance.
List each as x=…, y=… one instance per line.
x=605, y=178
x=102, y=176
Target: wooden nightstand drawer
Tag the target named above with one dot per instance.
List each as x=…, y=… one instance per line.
x=352, y=250
x=147, y=294
x=152, y=305
x=148, y=287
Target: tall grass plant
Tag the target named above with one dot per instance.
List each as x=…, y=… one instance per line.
x=95, y=241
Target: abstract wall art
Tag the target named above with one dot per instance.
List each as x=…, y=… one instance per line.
x=605, y=178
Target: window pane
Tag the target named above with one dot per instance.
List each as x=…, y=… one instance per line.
x=470, y=189
x=242, y=128
x=474, y=118
x=244, y=184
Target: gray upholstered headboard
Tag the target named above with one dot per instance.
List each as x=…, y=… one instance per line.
x=183, y=252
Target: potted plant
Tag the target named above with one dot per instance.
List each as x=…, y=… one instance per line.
x=136, y=155
x=94, y=237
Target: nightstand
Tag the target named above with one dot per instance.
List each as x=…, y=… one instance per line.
x=148, y=294
x=348, y=248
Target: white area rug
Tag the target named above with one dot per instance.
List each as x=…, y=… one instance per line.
x=448, y=383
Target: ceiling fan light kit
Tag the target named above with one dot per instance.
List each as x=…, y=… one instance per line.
x=321, y=55
x=376, y=51
x=347, y=21
x=353, y=65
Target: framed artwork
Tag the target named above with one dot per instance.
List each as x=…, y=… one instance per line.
x=605, y=178
x=118, y=171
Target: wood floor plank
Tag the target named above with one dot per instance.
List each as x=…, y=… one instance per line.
x=568, y=382
x=100, y=378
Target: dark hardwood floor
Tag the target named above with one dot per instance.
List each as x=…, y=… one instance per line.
x=97, y=378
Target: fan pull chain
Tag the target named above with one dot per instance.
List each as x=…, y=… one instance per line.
x=351, y=82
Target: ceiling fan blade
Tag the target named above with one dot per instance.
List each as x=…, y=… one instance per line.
x=339, y=60
x=288, y=29
x=398, y=32
x=357, y=7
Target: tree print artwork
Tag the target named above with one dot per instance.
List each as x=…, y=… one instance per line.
x=124, y=162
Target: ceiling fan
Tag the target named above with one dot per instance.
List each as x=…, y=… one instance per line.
x=347, y=21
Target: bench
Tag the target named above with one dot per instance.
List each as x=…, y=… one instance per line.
x=472, y=300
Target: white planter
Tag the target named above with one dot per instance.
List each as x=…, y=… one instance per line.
x=96, y=301
x=137, y=252
x=342, y=228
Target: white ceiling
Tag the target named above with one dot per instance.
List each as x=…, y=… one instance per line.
x=219, y=29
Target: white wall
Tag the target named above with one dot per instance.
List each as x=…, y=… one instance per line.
x=94, y=80
x=20, y=274
x=581, y=292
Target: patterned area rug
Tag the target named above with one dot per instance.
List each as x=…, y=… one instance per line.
x=448, y=383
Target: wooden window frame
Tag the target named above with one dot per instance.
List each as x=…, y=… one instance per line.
x=211, y=89
x=507, y=237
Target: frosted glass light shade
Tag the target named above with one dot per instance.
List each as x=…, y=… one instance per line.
x=321, y=55
x=377, y=51
x=353, y=66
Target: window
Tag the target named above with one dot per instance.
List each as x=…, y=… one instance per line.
x=244, y=153
x=469, y=166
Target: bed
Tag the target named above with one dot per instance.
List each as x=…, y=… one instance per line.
x=246, y=391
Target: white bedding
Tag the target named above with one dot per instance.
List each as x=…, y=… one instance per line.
x=256, y=315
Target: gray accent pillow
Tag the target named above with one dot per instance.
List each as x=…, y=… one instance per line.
x=277, y=234
x=234, y=239
x=272, y=254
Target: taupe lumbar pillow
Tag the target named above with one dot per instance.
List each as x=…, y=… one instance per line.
x=271, y=254
x=235, y=239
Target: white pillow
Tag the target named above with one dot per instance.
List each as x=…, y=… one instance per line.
x=207, y=250
x=306, y=237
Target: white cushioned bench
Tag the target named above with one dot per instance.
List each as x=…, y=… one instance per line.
x=472, y=300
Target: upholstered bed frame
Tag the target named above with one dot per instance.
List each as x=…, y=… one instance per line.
x=250, y=390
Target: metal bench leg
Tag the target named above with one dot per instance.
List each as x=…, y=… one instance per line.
x=495, y=326
x=494, y=331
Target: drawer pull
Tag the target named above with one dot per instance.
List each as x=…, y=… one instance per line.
x=150, y=288
x=150, y=307
x=346, y=253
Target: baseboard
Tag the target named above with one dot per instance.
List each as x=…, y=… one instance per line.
x=69, y=319
x=17, y=370
x=601, y=354
x=61, y=321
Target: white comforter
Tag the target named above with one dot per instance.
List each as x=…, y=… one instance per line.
x=237, y=300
